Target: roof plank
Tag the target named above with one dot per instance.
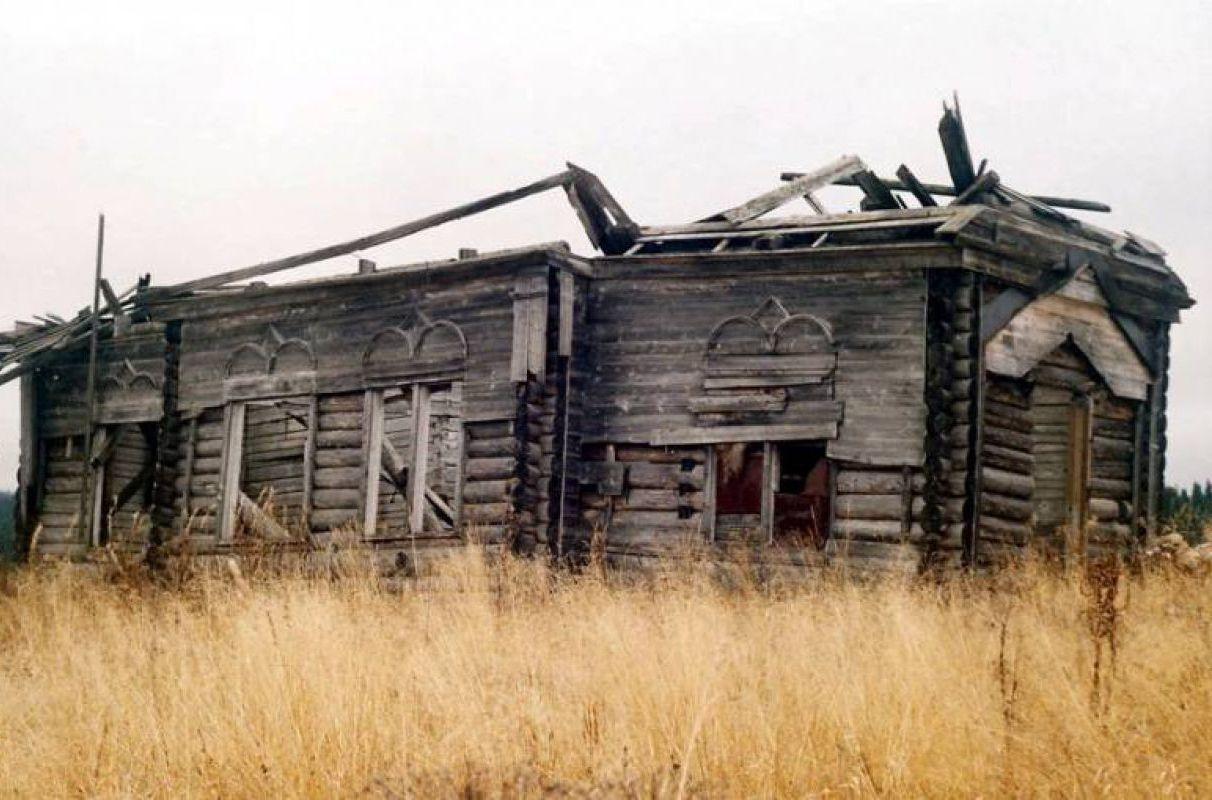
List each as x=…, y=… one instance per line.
x=843, y=167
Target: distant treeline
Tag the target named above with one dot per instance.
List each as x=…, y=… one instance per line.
x=1188, y=510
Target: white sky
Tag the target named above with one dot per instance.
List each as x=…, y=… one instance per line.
x=221, y=137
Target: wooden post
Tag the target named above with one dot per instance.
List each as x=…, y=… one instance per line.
x=233, y=445
x=1138, y=464
x=191, y=442
x=372, y=449
x=91, y=388
x=976, y=433
x=710, y=479
x=309, y=459
x=770, y=478
x=420, y=457
x=28, y=485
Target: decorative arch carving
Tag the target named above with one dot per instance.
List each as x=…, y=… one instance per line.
x=279, y=367
x=247, y=359
x=130, y=395
x=441, y=339
x=755, y=363
x=288, y=347
x=379, y=347
x=431, y=348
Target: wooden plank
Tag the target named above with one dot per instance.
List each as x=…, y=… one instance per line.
x=910, y=182
x=371, y=240
x=233, y=426
x=372, y=449
x=420, y=454
x=770, y=477
x=955, y=148
x=748, y=402
x=744, y=433
x=567, y=296
x=875, y=193
x=309, y=457
x=843, y=167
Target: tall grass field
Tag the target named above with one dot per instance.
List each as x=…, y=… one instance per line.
x=499, y=677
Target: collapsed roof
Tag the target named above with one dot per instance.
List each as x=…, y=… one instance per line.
x=977, y=201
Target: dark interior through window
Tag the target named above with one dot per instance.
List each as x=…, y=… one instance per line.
x=801, y=498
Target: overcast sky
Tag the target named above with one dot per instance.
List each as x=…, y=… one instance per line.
x=217, y=138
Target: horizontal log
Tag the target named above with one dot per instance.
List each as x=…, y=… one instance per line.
x=490, y=491
x=327, y=519
x=644, y=475
x=336, y=498
x=1105, y=510
x=487, y=512
x=338, y=477
x=1111, y=488
x=851, y=481
x=874, y=506
x=342, y=421
x=343, y=438
x=874, y=530
x=1011, y=484
x=1006, y=459
x=1006, y=507
x=661, y=455
x=328, y=459
x=502, y=446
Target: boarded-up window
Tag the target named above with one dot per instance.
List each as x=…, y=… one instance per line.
x=59, y=500
x=439, y=438
x=127, y=484
x=272, y=457
x=339, y=471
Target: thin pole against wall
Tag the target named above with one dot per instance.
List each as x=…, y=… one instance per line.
x=87, y=486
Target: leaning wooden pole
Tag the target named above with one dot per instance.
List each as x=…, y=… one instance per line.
x=374, y=239
x=86, y=487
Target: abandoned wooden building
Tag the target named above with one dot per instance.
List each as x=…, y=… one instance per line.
x=951, y=382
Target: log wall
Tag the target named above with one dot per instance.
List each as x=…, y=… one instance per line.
x=650, y=336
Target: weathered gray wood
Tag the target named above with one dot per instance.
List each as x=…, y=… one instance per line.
x=843, y=167
x=372, y=449
x=420, y=455
x=744, y=433
x=371, y=240
x=233, y=424
x=945, y=190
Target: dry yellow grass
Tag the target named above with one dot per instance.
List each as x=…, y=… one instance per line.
x=510, y=681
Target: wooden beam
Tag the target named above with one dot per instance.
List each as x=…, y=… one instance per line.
x=943, y=190
x=910, y=182
x=843, y=167
x=420, y=455
x=90, y=396
x=985, y=182
x=233, y=445
x=374, y=239
x=875, y=193
x=372, y=449
x=258, y=522
x=955, y=148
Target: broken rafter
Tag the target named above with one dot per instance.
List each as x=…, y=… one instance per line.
x=382, y=237
x=943, y=190
x=955, y=148
x=844, y=167
x=607, y=224
x=876, y=196
x=987, y=182
x=910, y=182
